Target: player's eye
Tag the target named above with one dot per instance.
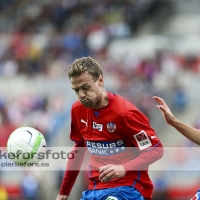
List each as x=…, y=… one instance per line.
x=86, y=88
x=76, y=91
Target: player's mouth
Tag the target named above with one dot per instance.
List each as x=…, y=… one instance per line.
x=84, y=101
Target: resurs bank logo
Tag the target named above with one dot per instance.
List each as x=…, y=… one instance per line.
x=105, y=148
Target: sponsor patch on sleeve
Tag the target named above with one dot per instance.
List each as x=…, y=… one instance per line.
x=195, y=197
x=142, y=140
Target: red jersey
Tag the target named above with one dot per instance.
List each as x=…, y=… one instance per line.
x=107, y=133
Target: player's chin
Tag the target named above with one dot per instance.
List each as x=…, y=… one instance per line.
x=86, y=104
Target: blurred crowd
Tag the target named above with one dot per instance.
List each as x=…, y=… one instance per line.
x=41, y=34
x=42, y=38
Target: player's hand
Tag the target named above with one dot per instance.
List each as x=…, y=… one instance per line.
x=62, y=197
x=167, y=114
x=109, y=172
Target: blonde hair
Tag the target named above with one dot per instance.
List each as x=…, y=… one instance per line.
x=85, y=64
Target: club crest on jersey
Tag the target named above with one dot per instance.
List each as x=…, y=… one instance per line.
x=97, y=126
x=96, y=113
x=142, y=140
x=111, y=127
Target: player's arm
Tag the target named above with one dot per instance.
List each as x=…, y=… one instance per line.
x=144, y=138
x=62, y=197
x=186, y=130
x=72, y=170
x=73, y=165
x=109, y=172
x=140, y=163
x=135, y=121
x=145, y=159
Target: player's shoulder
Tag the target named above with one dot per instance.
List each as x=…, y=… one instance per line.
x=123, y=103
x=127, y=109
x=77, y=106
x=78, y=109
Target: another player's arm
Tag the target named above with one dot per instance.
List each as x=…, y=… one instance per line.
x=185, y=129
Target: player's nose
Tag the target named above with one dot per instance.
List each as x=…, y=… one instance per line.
x=81, y=94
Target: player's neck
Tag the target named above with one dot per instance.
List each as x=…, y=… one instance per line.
x=102, y=102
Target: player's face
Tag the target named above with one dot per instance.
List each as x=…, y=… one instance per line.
x=89, y=92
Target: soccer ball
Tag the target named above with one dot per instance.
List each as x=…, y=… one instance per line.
x=24, y=145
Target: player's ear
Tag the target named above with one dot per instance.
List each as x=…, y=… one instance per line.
x=100, y=80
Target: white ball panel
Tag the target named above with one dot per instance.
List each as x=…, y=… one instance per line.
x=19, y=142
x=25, y=136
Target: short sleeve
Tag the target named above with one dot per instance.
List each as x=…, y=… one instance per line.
x=139, y=131
x=75, y=132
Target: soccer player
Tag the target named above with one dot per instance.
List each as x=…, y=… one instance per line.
x=119, y=138
x=186, y=130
